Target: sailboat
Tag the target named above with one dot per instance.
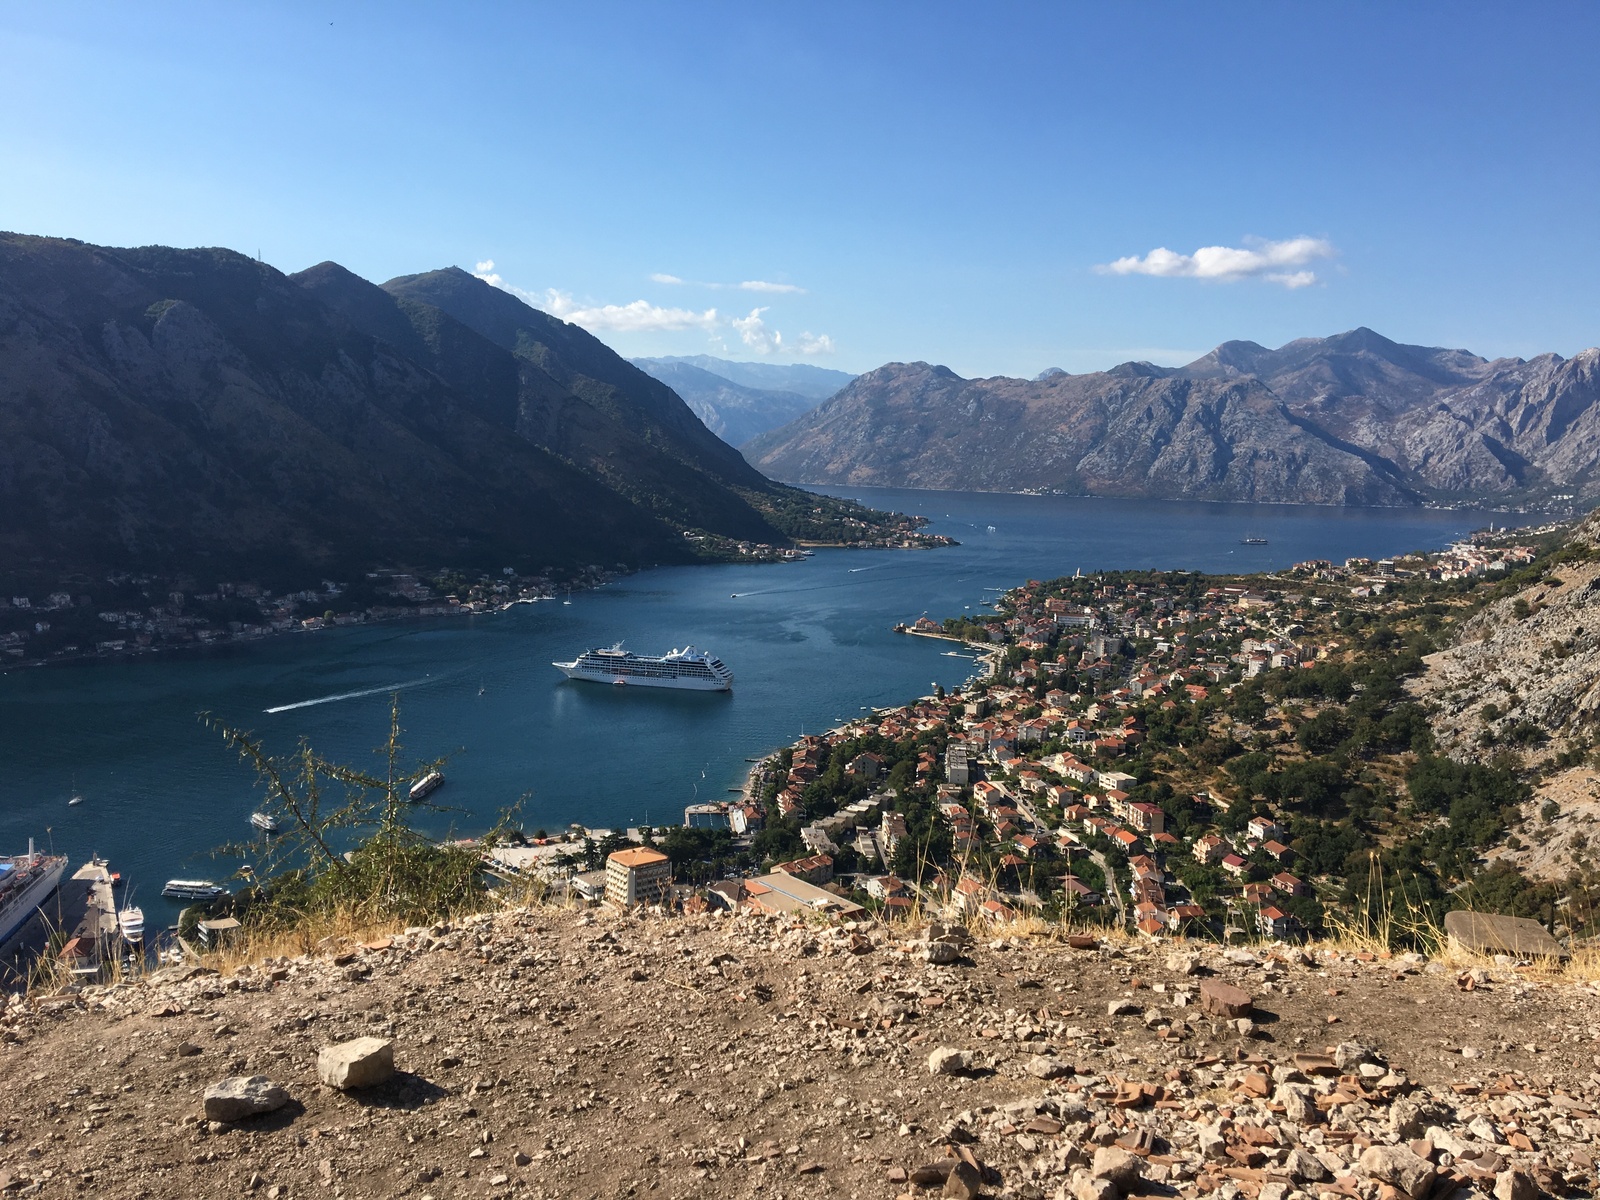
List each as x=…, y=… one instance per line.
x=76, y=798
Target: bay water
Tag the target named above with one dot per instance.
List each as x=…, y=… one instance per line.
x=810, y=645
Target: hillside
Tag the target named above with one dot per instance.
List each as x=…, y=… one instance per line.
x=559, y=1053
x=197, y=412
x=1364, y=419
x=1129, y=432
x=733, y=411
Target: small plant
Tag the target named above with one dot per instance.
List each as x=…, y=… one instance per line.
x=348, y=852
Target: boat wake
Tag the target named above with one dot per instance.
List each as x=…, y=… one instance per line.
x=389, y=687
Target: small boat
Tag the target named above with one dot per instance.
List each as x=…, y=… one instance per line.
x=426, y=786
x=193, y=889
x=1253, y=541
x=265, y=822
x=131, y=921
x=76, y=800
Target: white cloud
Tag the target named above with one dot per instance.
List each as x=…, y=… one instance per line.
x=753, y=332
x=761, y=285
x=1259, y=259
x=641, y=316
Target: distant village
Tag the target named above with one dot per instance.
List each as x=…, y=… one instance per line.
x=1023, y=793
x=127, y=613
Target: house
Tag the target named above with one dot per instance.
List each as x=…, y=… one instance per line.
x=1278, y=851
x=893, y=831
x=1289, y=885
x=1146, y=817
x=638, y=875
x=816, y=870
x=1180, y=915
x=780, y=893
x=1076, y=891
x=1264, y=829
x=867, y=765
x=1234, y=865
x=1272, y=922
x=1211, y=849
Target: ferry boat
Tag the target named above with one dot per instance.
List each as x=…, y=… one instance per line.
x=696, y=670
x=265, y=822
x=193, y=889
x=426, y=786
x=26, y=882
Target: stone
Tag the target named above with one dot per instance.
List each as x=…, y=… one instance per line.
x=948, y=1060
x=1123, y=1008
x=1298, y=1103
x=1482, y=933
x=942, y=953
x=1224, y=1000
x=1183, y=963
x=241, y=1096
x=964, y=1182
x=1347, y=1056
x=1515, y=1185
x=1399, y=1167
x=1117, y=1165
x=1042, y=1066
x=932, y=1174
x=1304, y=1167
x=187, y=1050
x=1088, y=1187
x=360, y=1063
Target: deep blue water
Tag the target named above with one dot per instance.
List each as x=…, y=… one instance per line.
x=810, y=645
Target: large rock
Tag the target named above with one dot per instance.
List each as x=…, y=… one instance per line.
x=361, y=1063
x=1484, y=933
x=1399, y=1167
x=1117, y=1165
x=1225, y=1000
x=241, y=1096
x=948, y=1060
x=964, y=1182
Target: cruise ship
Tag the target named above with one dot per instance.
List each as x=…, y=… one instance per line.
x=26, y=882
x=688, y=668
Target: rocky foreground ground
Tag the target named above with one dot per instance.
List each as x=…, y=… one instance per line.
x=555, y=1053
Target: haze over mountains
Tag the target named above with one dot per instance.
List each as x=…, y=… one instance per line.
x=166, y=408
x=1350, y=419
x=739, y=400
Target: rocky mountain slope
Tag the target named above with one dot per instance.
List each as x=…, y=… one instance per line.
x=1134, y=431
x=196, y=410
x=545, y=1052
x=734, y=412
x=1403, y=423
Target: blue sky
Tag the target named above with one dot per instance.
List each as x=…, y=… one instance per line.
x=850, y=184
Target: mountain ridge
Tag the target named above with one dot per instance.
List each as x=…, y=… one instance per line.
x=1354, y=419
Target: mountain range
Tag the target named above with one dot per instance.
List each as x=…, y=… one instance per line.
x=1350, y=419
x=197, y=410
x=738, y=400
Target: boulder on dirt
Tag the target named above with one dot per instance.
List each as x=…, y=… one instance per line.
x=1483, y=933
x=241, y=1096
x=361, y=1063
x=964, y=1182
x=948, y=1060
x=1399, y=1167
x=1117, y=1165
x=1225, y=1000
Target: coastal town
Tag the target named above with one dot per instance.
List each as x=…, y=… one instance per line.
x=122, y=613
x=1159, y=751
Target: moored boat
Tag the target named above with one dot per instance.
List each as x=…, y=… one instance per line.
x=26, y=882
x=426, y=786
x=193, y=889
x=131, y=921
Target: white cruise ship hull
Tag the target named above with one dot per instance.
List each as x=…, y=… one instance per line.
x=573, y=671
x=20, y=907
